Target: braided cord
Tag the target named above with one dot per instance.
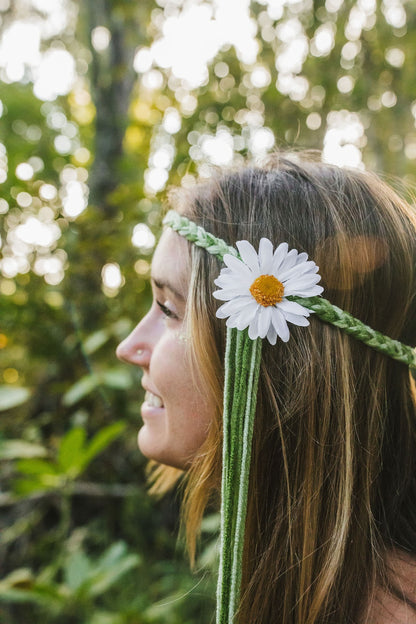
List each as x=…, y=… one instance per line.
x=242, y=366
x=332, y=314
x=325, y=310
x=197, y=235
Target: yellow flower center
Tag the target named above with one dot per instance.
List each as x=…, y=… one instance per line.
x=267, y=290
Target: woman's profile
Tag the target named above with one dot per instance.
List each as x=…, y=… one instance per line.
x=286, y=398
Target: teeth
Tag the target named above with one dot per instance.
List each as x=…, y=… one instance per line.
x=153, y=400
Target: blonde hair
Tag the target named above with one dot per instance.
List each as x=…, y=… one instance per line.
x=333, y=474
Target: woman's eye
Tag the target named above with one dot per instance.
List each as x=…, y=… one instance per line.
x=166, y=311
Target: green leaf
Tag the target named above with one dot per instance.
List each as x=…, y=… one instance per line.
x=35, y=466
x=21, y=527
x=104, y=580
x=22, y=577
x=101, y=441
x=113, y=378
x=44, y=595
x=10, y=396
x=13, y=449
x=80, y=389
x=95, y=341
x=77, y=570
x=112, y=555
x=105, y=617
x=22, y=585
x=71, y=449
x=25, y=487
x=211, y=523
x=116, y=378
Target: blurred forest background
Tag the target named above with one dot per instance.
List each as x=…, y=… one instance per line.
x=103, y=105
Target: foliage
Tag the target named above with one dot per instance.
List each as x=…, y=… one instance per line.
x=81, y=541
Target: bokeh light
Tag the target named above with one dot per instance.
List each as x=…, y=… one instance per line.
x=218, y=149
x=37, y=233
x=55, y=75
x=19, y=49
x=48, y=192
x=24, y=171
x=74, y=198
x=172, y=121
x=143, y=238
x=100, y=38
x=343, y=139
x=112, y=279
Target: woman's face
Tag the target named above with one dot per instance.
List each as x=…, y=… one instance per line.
x=175, y=414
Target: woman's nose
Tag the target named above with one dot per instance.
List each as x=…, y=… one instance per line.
x=137, y=347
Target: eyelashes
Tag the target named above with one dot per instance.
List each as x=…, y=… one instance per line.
x=166, y=311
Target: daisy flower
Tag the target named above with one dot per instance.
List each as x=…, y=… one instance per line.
x=256, y=288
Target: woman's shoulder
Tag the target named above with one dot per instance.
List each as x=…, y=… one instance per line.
x=398, y=607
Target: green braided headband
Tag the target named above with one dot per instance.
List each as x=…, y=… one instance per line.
x=242, y=364
x=325, y=310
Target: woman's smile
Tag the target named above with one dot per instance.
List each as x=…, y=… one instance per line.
x=152, y=400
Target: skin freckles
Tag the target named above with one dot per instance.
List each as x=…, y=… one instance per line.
x=175, y=415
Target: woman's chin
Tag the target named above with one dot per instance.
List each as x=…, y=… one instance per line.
x=149, y=443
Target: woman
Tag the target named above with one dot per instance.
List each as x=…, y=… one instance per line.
x=330, y=524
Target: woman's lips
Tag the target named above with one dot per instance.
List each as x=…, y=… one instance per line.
x=152, y=400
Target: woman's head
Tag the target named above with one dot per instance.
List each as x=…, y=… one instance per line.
x=335, y=423
x=332, y=484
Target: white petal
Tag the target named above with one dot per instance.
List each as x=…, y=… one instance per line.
x=230, y=293
x=224, y=279
x=248, y=255
x=289, y=261
x=296, y=319
x=314, y=291
x=253, y=328
x=233, y=306
x=247, y=314
x=298, y=270
x=297, y=286
x=280, y=325
x=227, y=281
x=265, y=319
x=232, y=321
x=292, y=307
x=222, y=295
x=317, y=290
x=220, y=313
x=302, y=257
x=265, y=256
x=233, y=281
x=279, y=255
x=242, y=317
x=238, y=267
x=272, y=335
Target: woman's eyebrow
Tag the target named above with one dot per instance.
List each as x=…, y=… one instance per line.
x=163, y=284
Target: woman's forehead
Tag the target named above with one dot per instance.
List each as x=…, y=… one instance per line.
x=171, y=262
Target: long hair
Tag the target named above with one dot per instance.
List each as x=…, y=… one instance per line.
x=333, y=473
